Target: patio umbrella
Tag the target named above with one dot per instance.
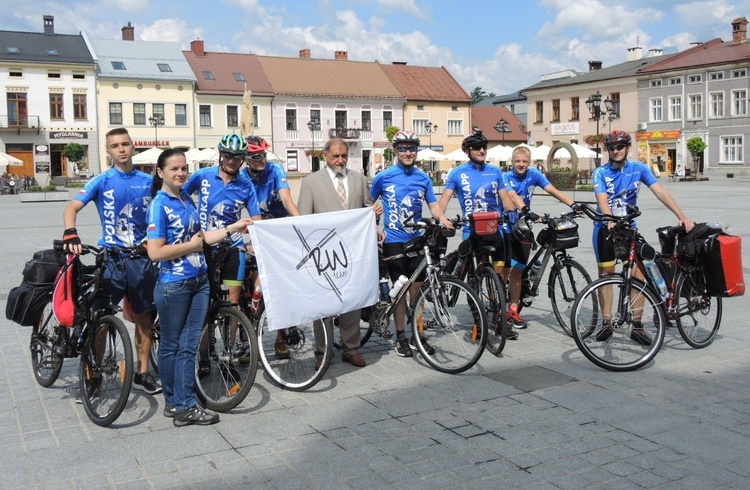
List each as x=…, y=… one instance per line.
x=6, y=159
x=582, y=151
x=147, y=157
x=499, y=153
x=273, y=157
x=430, y=154
x=457, y=155
x=192, y=151
x=246, y=120
x=540, y=152
x=206, y=155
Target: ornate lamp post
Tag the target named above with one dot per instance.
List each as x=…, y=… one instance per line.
x=430, y=128
x=502, y=127
x=594, y=105
x=156, y=121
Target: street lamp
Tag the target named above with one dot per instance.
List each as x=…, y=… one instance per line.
x=311, y=125
x=156, y=121
x=594, y=105
x=502, y=127
x=430, y=128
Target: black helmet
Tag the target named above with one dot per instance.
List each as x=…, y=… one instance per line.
x=522, y=231
x=616, y=137
x=477, y=138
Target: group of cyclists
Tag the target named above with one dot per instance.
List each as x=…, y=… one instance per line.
x=154, y=219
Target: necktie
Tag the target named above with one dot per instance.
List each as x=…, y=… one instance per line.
x=341, y=190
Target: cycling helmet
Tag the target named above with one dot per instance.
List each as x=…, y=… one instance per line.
x=256, y=144
x=233, y=143
x=477, y=138
x=405, y=136
x=522, y=231
x=616, y=137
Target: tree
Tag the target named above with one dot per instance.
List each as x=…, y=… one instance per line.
x=478, y=94
x=696, y=145
x=74, y=153
x=390, y=132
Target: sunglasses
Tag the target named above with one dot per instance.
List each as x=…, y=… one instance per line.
x=404, y=149
x=619, y=147
x=257, y=156
x=232, y=156
x=478, y=147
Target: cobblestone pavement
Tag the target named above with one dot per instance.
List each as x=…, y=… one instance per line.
x=539, y=416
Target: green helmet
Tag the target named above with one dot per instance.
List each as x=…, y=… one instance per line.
x=233, y=143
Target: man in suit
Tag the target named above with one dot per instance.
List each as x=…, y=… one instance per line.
x=336, y=188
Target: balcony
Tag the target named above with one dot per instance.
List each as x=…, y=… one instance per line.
x=344, y=133
x=17, y=123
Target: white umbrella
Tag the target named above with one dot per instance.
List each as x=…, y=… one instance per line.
x=540, y=152
x=582, y=151
x=206, y=155
x=562, y=153
x=499, y=153
x=429, y=155
x=147, y=157
x=6, y=159
x=457, y=155
x=272, y=157
x=246, y=120
x=192, y=151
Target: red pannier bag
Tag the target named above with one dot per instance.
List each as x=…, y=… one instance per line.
x=484, y=224
x=722, y=266
x=63, y=296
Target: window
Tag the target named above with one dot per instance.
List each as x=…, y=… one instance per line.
x=695, y=110
x=256, y=124
x=455, y=127
x=454, y=108
x=118, y=65
x=731, y=149
x=238, y=76
x=115, y=113
x=180, y=114
x=420, y=107
x=56, y=106
x=204, y=116
x=420, y=126
x=52, y=52
x=54, y=75
x=366, y=120
x=654, y=83
x=655, y=109
x=555, y=109
x=675, y=81
x=157, y=110
x=233, y=120
x=15, y=72
x=387, y=119
x=615, y=98
x=716, y=75
x=139, y=113
x=17, y=109
x=79, y=107
x=207, y=75
x=13, y=50
x=717, y=104
x=164, y=67
x=575, y=108
x=675, y=108
x=695, y=78
x=291, y=119
x=740, y=73
x=539, y=111
x=341, y=119
x=315, y=118
x=739, y=102
x=79, y=75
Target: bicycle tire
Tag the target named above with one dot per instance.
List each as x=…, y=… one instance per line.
x=232, y=360
x=620, y=351
x=449, y=325
x=698, y=315
x=46, y=348
x=298, y=372
x=154, y=351
x=563, y=288
x=491, y=291
x=104, y=400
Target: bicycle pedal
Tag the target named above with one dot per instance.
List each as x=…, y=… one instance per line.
x=387, y=334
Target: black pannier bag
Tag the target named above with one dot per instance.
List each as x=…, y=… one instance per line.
x=563, y=233
x=43, y=267
x=26, y=304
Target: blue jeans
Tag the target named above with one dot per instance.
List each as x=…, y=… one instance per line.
x=182, y=307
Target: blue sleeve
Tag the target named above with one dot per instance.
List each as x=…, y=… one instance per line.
x=647, y=177
x=251, y=204
x=599, y=184
x=541, y=180
x=279, y=178
x=91, y=190
x=157, y=223
x=452, y=183
x=375, y=189
x=192, y=184
x=430, y=191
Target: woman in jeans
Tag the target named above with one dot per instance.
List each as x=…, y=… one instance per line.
x=175, y=240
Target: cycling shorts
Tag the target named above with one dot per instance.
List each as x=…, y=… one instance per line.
x=604, y=249
x=135, y=277
x=233, y=269
x=403, y=266
x=519, y=252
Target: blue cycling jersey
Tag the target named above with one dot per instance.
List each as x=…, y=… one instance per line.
x=621, y=186
x=477, y=189
x=176, y=221
x=524, y=187
x=403, y=191
x=221, y=205
x=121, y=199
x=267, y=185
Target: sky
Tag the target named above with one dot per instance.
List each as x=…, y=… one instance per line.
x=500, y=46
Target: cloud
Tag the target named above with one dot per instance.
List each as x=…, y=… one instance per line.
x=408, y=6
x=135, y=6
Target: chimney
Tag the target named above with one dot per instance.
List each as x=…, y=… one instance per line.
x=739, y=30
x=128, y=33
x=655, y=52
x=304, y=54
x=197, y=47
x=635, y=53
x=595, y=65
x=49, y=25
x=341, y=55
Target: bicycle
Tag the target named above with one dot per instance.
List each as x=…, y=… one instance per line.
x=448, y=320
x=227, y=357
x=566, y=277
x=100, y=339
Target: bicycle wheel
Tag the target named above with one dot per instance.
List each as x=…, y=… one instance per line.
x=226, y=366
x=47, y=339
x=619, y=345
x=300, y=370
x=563, y=287
x=449, y=325
x=698, y=314
x=106, y=372
x=491, y=292
x=155, y=337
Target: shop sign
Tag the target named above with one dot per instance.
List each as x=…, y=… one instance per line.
x=71, y=135
x=668, y=134
x=564, y=128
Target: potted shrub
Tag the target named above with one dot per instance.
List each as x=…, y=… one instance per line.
x=47, y=193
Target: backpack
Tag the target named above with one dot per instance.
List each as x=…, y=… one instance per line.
x=64, y=295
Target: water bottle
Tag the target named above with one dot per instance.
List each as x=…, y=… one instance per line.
x=255, y=302
x=534, y=269
x=384, y=297
x=655, y=274
x=397, y=286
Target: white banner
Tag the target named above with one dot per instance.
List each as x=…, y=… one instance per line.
x=317, y=265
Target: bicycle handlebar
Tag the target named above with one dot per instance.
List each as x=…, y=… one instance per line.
x=633, y=212
x=85, y=249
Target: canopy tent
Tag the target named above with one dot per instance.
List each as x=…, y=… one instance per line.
x=457, y=155
x=147, y=157
x=429, y=155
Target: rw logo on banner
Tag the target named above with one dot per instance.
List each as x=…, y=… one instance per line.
x=317, y=265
